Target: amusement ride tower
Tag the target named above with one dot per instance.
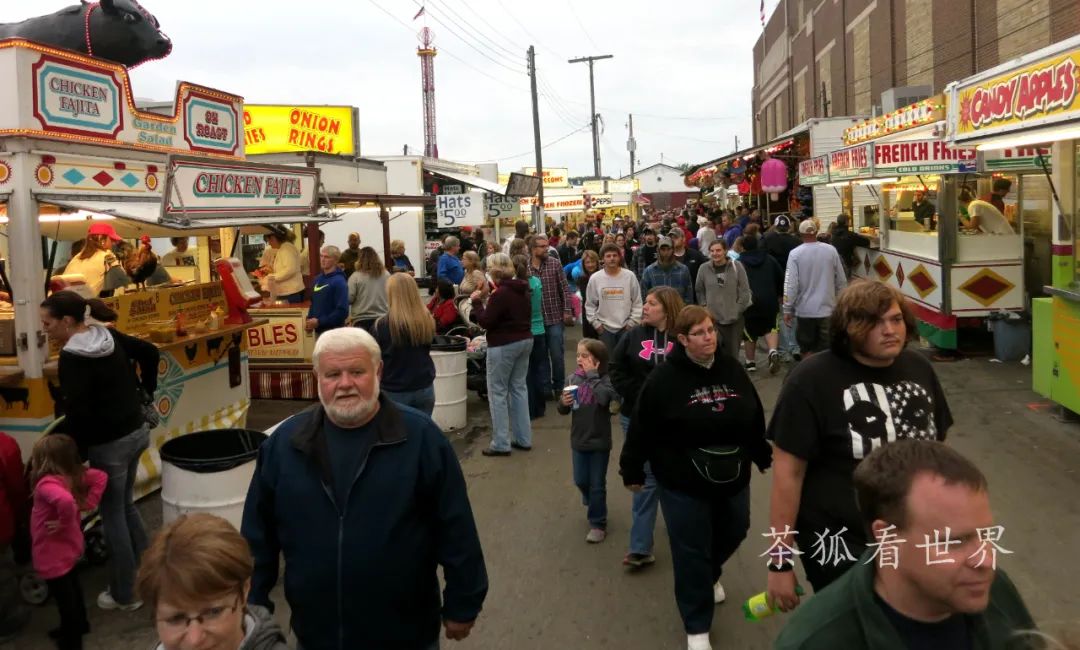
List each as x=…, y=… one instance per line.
x=427, y=54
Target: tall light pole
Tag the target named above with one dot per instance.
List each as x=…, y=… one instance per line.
x=592, y=103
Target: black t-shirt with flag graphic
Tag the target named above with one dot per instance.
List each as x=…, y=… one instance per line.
x=833, y=411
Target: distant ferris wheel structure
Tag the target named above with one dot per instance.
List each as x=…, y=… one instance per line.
x=427, y=53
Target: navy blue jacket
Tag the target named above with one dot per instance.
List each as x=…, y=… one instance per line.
x=329, y=300
x=362, y=574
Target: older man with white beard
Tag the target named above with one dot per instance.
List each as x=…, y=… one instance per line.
x=364, y=499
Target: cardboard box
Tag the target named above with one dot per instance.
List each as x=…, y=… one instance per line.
x=7, y=336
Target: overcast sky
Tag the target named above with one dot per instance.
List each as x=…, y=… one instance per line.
x=683, y=69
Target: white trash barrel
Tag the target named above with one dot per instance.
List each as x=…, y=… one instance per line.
x=448, y=355
x=209, y=472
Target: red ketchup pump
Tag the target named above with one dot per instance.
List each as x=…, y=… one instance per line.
x=239, y=294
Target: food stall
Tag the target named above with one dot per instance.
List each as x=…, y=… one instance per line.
x=77, y=150
x=953, y=276
x=1024, y=103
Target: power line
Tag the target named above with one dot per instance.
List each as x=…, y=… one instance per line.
x=526, y=30
x=574, y=12
x=493, y=28
x=470, y=30
x=481, y=52
x=531, y=151
x=680, y=137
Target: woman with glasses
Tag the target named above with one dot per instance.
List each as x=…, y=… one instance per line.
x=699, y=423
x=195, y=577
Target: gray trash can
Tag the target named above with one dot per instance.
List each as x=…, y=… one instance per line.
x=1012, y=335
x=208, y=472
x=448, y=355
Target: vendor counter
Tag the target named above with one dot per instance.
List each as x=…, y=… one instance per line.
x=202, y=375
x=1056, y=347
x=280, y=351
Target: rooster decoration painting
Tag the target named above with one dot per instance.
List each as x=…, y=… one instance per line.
x=121, y=31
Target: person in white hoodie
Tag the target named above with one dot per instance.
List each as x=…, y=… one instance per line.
x=196, y=576
x=286, y=277
x=815, y=275
x=613, y=298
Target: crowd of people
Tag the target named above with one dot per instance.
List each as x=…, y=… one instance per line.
x=363, y=498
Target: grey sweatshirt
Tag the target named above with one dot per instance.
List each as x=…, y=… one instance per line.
x=613, y=302
x=367, y=296
x=725, y=292
x=590, y=426
x=814, y=276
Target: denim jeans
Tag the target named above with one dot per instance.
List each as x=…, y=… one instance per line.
x=508, y=397
x=590, y=476
x=539, y=381
x=611, y=339
x=421, y=400
x=124, y=531
x=293, y=298
x=703, y=534
x=643, y=508
x=788, y=345
x=556, y=353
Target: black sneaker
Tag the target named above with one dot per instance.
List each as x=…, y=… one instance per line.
x=519, y=447
x=638, y=560
x=751, y=366
x=494, y=452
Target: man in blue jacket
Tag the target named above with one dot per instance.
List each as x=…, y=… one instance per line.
x=329, y=294
x=450, y=266
x=364, y=499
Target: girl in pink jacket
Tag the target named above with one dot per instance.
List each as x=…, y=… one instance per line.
x=62, y=488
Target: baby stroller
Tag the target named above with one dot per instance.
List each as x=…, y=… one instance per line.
x=476, y=366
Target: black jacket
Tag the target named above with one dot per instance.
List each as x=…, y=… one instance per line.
x=363, y=574
x=638, y=352
x=406, y=368
x=766, y=278
x=684, y=409
x=779, y=245
x=845, y=242
x=692, y=259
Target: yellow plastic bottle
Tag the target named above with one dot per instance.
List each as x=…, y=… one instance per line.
x=757, y=607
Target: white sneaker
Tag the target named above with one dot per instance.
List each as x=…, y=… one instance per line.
x=105, y=601
x=698, y=642
x=718, y=594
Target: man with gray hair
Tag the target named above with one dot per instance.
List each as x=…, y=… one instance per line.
x=329, y=294
x=450, y=267
x=365, y=500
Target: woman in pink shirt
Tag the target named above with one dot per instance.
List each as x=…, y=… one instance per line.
x=62, y=488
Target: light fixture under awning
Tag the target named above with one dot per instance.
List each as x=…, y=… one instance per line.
x=474, y=181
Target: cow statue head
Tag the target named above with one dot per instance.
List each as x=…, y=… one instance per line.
x=124, y=32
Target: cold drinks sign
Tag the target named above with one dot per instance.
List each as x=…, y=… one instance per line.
x=922, y=157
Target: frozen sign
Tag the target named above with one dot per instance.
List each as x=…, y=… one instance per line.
x=814, y=171
x=69, y=98
x=456, y=210
x=852, y=163
x=922, y=157
x=205, y=189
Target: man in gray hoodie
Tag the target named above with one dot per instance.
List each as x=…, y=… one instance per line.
x=815, y=275
x=723, y=288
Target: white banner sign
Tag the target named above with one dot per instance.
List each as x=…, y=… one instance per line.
x=502, y=207
x=922, y=157
x=456, y=210
x=197, y=187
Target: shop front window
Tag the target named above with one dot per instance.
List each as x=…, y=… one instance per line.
x=912, y=211
x=988, y=218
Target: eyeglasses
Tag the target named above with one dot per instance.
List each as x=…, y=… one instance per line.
x=704, y=332
x=180, y=622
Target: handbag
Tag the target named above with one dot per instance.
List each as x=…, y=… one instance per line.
x=720, y=464
x=149, y=411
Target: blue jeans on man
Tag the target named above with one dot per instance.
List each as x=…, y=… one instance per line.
x=539, y=380
x=421, y=400
x=643, y=508
x=508, y=396
x=703, y=534
x=125, y=534
x=556, y=351
x=789, y=347
x=611, y=338
x=590, y=476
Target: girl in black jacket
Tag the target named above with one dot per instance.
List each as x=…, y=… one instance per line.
x=643, y=348
x=700, y=423
x=103, y=408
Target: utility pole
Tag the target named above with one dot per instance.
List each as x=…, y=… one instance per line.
x=538, y=214
x=736, y=143
x=592, y=103
x=631, y=146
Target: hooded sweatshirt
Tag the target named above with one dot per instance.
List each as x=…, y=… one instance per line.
x=684, y=409
x=329, y=300
x=590, y=426
x=766, y=280
x=725, y=292
x=261, y=631
x=55, y=553
x=507, y=317
x=99, y=388
x=638, y=352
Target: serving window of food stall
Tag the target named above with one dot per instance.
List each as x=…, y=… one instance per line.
x=912, y=205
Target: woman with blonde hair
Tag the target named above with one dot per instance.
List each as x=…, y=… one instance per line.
x=367, y=289
x=474, y=278
x=195, y=577
x=404, y=335
x=285, y=277
x=402, y=264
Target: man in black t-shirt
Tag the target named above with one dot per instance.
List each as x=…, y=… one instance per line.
x=835, y=408
x=946, y=593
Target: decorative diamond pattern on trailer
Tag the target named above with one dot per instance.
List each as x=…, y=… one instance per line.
x=103, y=178
x=866, y=263
x=900, y=274
x=74, y=176
x=923, y=282
x=986, y=287
x=882, y=268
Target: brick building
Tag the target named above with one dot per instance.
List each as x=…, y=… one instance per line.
x=824, y=58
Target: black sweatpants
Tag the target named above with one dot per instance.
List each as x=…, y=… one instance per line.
x=67, y=592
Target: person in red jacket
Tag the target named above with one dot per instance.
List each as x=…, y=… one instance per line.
x=442, y=307
x=14, y=502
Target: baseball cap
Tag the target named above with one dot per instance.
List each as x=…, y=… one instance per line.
x=103, y=229
x=782, y=223
x=675, y=232
x=664, y=241
x=808, y=227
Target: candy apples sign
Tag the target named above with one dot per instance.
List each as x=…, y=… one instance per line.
x=1044, y=92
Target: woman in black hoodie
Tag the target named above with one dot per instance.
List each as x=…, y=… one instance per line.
x=642, y=349
x=700, y=423
x=103, y=413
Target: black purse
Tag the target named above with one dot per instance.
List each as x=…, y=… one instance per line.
x=720, y=464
